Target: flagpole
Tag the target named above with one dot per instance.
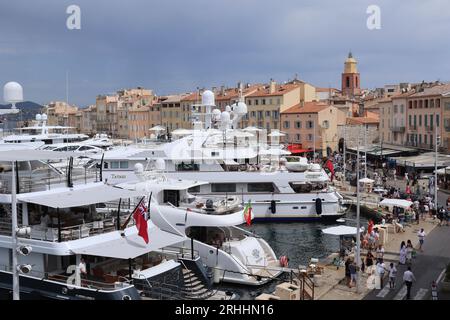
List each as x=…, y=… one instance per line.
x=129, y=217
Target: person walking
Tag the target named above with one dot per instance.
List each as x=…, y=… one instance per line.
x=352, y=268
x=347, y=272
x=409, y=252
x=421, y=234
x=380, y=252
x=402, y=258
x=408, y=278
x=392, y=275
x=381, y=268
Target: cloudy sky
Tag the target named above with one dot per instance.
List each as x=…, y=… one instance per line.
x=178, y=45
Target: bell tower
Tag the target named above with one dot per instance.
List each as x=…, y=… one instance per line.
x=350, y=77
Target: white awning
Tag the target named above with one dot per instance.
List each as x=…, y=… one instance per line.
x=342, y=230
x=157, y=128
x=366, y=180
x=30, y=155
x=129, y=246
x=230, y=162
x=396, y=203
x=81, y=195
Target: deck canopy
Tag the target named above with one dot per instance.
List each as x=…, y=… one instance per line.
x=130, y=245
x=81, y=195
x=34, y=155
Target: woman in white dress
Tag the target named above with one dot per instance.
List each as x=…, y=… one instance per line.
x=403, y=252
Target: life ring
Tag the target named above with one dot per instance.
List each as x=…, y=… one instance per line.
x=284, y=261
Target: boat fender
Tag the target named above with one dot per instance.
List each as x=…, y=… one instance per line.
x=319, y=206
x=284, y=261
x=273, y=206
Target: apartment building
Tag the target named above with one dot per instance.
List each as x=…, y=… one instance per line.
x=138, y=122
x=58, y=113
x=265, y=104
x=175, y=110
x=425, y=110
x=106, y=106
x=313, y=123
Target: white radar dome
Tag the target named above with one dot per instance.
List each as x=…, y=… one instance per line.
x=208, y=98
x=160, y=164
x=138, y=168
x=44, y=117
x=216, y=114
x=240, y=108
x=38, y=117
x=228, y=109
x=225, y=117
x=12, y=92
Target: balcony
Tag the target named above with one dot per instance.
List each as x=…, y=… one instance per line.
x=413, y=127
x=400, y=129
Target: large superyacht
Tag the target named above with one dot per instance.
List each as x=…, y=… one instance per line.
x=234, y=162
x=63, y=221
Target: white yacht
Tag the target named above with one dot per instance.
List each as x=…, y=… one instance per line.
x=62, y=220
x=245, y=170
x=44, y=134
x=232, y=253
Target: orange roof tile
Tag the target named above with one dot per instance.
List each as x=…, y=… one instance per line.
x=309, y=107
x=280, y=89
x=362, y=120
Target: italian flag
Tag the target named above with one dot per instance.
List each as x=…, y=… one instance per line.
x=248, y=213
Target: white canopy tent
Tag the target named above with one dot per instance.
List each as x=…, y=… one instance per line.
x=157, y=128
x=342, y=231
x=366, y=180
x=274, y=152
x=396, y=203
x=252, y=129
x=276, y=133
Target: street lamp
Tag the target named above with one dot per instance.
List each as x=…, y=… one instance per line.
x=13, y=93
x=358, y=222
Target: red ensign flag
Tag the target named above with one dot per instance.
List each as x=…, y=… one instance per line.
x=140, y=217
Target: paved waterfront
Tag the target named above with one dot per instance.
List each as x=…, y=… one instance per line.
x=427, y=266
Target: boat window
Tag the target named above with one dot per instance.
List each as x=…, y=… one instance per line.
x=84, y=148
x=223, y=187
x=114, y=164
x=301, y=187
x=72, y=148
x=123, y=164
x=303, y=207
x=294, y=207
x=195, y=189
x=260, y=187
x=188, y=167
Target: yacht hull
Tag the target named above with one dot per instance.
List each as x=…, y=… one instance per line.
x=43, y=289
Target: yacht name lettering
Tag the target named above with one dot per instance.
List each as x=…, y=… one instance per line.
x=185, y=310
x=118, y=176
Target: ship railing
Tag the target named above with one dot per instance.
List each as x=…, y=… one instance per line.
x=179, y=252
x=44, y=180
x=121, y=282
x=158, y=289
x=75, y=232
